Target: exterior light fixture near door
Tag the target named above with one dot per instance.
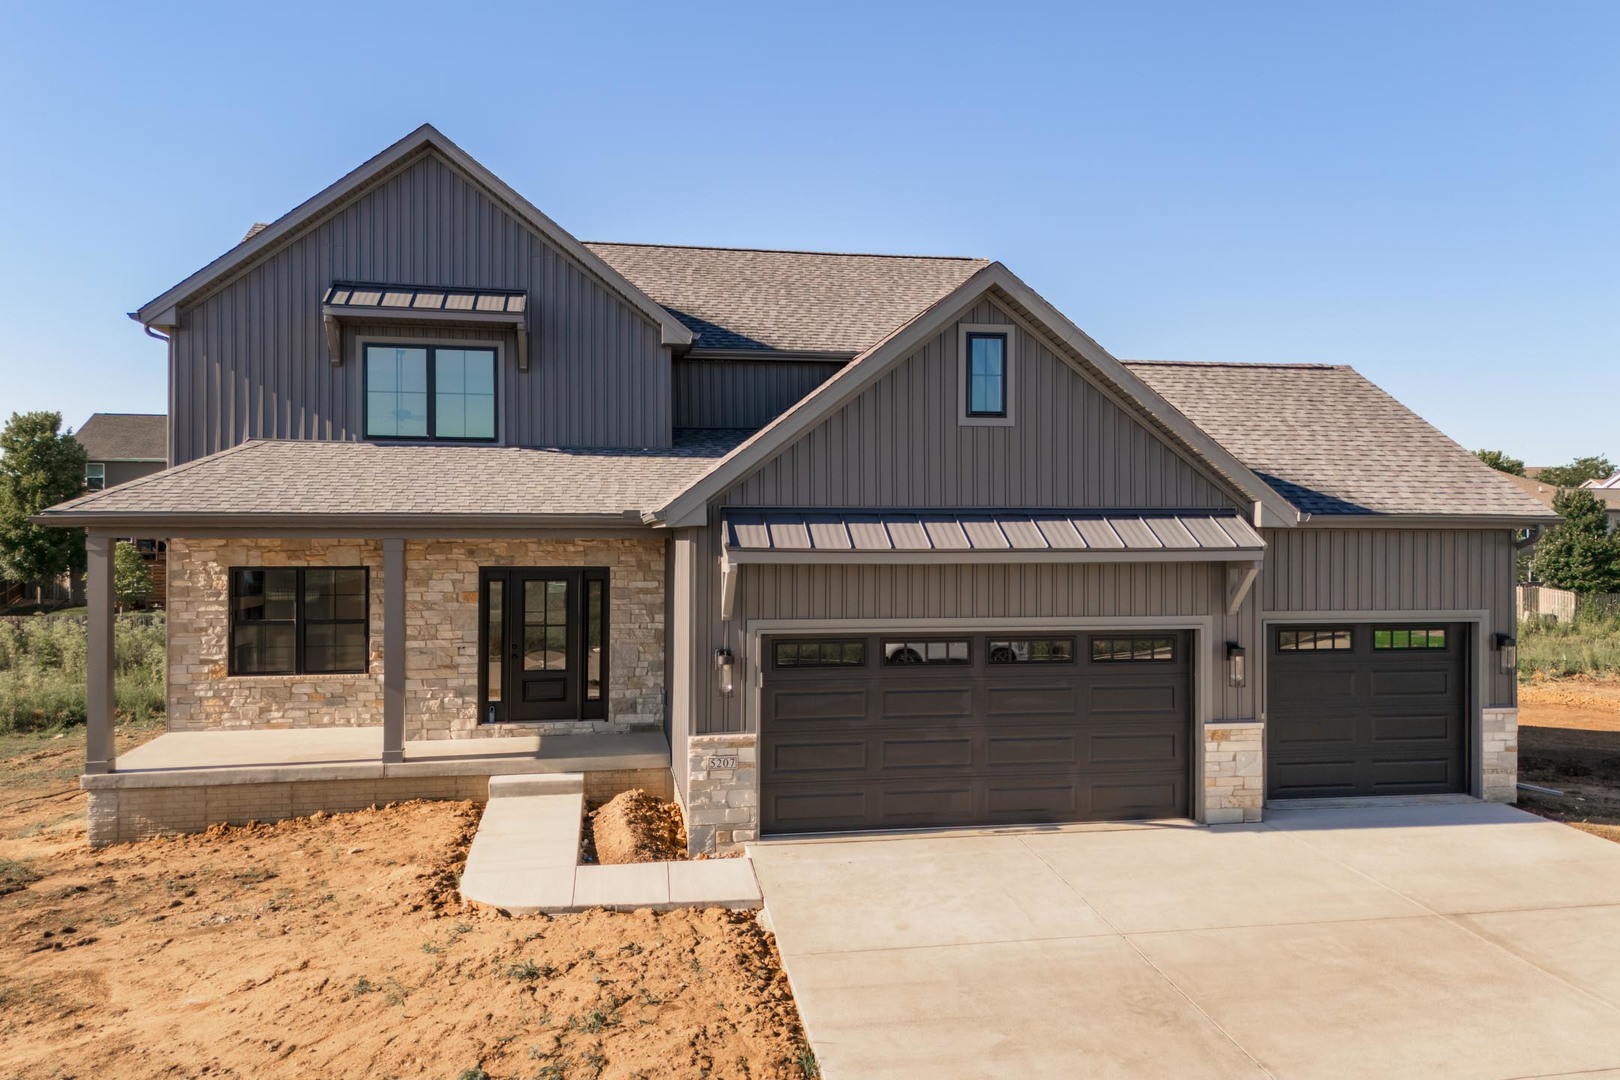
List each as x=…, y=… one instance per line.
x=724, y=669
x=1236, y=664
x=1507, y=653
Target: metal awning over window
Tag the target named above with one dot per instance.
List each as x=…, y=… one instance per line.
x=787, y=536
x=437, y=306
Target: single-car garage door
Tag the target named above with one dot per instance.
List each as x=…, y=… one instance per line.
x=909, y=730
x=1366, y=709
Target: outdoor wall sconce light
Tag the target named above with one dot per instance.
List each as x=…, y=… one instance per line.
x=1507, y=653
x=724, y=668
x=1236, y=664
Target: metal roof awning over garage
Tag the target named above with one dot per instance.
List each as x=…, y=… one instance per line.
x=791, y=536
x=1063, y=536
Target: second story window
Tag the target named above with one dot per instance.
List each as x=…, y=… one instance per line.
x=95, y=476
x=987, y=374
x=430, y=392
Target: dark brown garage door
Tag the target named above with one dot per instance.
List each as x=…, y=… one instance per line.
x=1366, y=709
x=905, y=731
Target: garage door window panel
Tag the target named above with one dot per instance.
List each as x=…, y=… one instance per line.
x=1133, y=649
x=810, y=654
x=1399, y=639
x=1032, y=651
x=1315, y=639
x=927, y=653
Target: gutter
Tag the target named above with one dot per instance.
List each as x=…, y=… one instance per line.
x=147, y=327
x=121, y=519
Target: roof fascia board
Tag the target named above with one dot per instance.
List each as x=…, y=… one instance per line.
x=165, y=307
x=771, y=355
x=690, y=508
x=260, y=524
x=1427, y=521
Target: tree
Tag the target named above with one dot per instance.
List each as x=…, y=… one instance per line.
x=1577, y=472
x=1499, y=461
x=132, y=581
x=1580, y=554
x=40, y=466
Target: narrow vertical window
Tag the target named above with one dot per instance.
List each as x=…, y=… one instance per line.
x=495, y=643
x=594, y=591
x=986, y=374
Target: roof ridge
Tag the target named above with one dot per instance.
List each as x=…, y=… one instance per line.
x=786, y=251
x=1285, y=364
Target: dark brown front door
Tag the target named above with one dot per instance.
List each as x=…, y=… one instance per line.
x=543, y=639
x=904, y=731
x=1366, y=709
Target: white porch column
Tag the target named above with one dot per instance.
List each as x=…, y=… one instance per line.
x=99, y=752
x=393, y=650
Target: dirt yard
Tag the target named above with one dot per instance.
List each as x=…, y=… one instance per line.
x=337, y=946
x=1569, y=740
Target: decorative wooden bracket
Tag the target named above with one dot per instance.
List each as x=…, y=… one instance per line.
x=334, y=339
x=1239, y=580
x=728, y=588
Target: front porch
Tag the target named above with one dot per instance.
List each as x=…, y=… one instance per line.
x=185, y=781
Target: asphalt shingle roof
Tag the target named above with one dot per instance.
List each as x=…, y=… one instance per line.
x=1331, y=442
x=125, y=437
x=323, y=479
x=787, y=301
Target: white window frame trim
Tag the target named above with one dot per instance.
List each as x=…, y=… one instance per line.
x=1008, y=377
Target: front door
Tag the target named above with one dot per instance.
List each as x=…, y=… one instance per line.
x=543, y=633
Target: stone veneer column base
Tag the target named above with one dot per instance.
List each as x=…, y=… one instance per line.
x=722, y=792
x=1499, y=759
x=1234, y=772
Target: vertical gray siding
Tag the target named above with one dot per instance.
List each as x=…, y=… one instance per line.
x=1048, y=590
x=743, y=393
x=1395, y=570
x=250, y=359
x=900, y=444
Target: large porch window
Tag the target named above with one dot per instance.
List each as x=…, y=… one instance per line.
x=299, y=620
x=543, y=644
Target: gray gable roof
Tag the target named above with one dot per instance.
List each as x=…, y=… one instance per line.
x=786, y=301
x=311, y=481
x=125, y=437
x=1333, y=443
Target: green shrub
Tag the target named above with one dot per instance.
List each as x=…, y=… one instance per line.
x=42, y=670
x=1590, y=645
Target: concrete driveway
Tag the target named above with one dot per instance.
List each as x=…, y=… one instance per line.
x=1466, y=940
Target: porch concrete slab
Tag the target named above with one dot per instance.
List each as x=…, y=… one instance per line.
x=852, y=896
x=1087, y=1007
x=722, y=882
x=1417, y=997
x=1465, y=857
x=1233, y=875
x=1580, y=945
x=623, y=887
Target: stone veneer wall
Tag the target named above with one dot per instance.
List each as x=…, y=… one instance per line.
x=1500, y=765
x=722, y=791
x=441, y=637
x=1234, y=772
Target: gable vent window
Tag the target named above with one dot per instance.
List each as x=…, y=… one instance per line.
x=430, y=392
x=986, y=375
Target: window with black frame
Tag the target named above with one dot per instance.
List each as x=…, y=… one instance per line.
x=299, y=620
x=433, y=392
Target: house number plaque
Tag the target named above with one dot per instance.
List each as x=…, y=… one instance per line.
x=722, y=762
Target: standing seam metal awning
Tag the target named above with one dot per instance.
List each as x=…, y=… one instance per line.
x=790, y=536
x=444, y=306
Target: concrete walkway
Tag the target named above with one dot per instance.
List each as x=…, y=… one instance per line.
x=524, y=860
x=1465, y=940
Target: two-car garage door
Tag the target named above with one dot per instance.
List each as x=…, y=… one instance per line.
x=906, y=731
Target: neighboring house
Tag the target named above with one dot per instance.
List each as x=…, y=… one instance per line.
x=816, y=542
x=119, y=448
x=1605, y=491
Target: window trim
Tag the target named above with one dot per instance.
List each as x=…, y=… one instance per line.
x=101, y=476
x=964, y=334
x=432, y=345
x=299, y=623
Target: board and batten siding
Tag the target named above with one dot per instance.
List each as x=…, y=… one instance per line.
x=944, y=591
x=743, y=393
x=1386, y=569
x=250, y=358
x=900, y=443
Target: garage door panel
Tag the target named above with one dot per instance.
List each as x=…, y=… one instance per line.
x=940, y=752
x=929, y=701
x=790, y=705
x=1007, y=742
x=1365, y=720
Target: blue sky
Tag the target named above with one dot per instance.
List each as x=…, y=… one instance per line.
x=1427, y=191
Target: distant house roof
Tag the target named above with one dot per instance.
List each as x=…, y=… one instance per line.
x=1607, y=483
x=1332, y=443
x=1542, y=493
x=294, y=482
x=786, y=301
x=125, y=437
